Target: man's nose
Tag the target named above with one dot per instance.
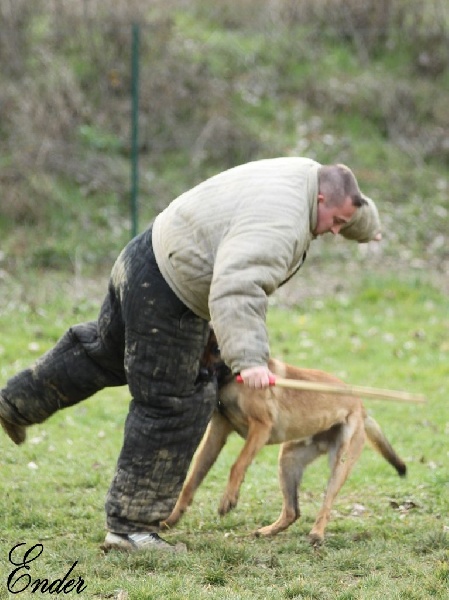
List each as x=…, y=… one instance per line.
x=335, y=229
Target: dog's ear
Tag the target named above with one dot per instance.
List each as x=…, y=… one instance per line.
x=212, y=362
x=223, y=373
x=211, y=354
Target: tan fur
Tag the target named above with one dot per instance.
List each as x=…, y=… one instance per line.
x=305, y=423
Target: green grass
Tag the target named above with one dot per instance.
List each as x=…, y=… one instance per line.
x=388, y=332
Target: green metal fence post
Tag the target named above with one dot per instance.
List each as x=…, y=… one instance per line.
x=135, y=128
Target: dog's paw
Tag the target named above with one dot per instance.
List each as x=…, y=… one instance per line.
x=227, y=504
x=171, y=521
x=315, y=539
x=265, y=531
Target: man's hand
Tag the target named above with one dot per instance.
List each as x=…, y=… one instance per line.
x=257, y=377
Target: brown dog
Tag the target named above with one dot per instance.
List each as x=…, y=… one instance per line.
x=305, y=423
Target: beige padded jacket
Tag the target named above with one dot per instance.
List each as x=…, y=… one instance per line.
x=227, y=244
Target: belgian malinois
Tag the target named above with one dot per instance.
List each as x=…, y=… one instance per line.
x=307, y=424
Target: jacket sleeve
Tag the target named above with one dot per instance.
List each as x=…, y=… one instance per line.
x=251, y=262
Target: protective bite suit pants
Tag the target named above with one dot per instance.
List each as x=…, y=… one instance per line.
x=147, y=338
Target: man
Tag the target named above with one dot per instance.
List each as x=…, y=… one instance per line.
x=214, y=254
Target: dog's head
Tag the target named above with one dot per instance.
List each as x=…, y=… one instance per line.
x=212, y=362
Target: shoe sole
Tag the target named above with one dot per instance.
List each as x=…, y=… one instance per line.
x=17, y=433
x=115, y=542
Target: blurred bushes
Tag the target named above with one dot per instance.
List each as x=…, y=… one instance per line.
x=221, y=83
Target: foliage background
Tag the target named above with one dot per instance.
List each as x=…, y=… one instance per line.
x=365, y=83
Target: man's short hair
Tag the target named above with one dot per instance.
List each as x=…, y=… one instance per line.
x=337, y=182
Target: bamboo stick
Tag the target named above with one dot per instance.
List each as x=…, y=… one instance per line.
x=352, y=390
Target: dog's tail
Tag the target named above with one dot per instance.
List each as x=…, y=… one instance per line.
x=380, y=443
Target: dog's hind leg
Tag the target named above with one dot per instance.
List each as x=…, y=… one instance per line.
x=349, y=443
x=211, y=445
x=258, y=435
x=293, y=459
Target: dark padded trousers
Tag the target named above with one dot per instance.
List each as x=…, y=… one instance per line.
x=147, y=338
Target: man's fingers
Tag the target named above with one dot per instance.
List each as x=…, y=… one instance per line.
x=257, y=377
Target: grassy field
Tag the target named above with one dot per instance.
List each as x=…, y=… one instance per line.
x=388, y=537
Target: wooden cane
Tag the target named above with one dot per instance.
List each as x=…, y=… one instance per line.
x=352, y=390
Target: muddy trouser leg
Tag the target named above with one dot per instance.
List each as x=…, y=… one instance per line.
x=170, y=406
x=87, y=358
x=158, y=447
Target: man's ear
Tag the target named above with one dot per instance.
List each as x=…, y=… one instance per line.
x=320, y=198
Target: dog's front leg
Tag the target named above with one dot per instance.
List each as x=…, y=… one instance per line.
x=211, y=445
x=258, y=435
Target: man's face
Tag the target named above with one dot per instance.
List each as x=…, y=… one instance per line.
x=332, y=218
